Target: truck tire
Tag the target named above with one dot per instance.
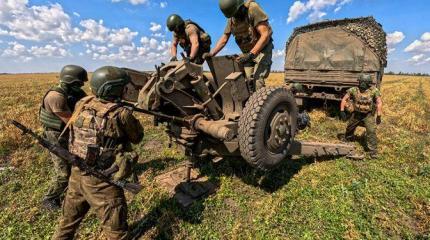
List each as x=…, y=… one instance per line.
x=267, y=111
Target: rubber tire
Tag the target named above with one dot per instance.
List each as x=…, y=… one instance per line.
x=255, y=120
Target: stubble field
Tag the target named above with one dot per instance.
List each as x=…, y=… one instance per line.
x=388, y=198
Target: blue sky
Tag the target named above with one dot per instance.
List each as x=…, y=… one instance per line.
x=42, y=36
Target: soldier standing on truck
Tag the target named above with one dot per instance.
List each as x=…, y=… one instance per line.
x=366, y=101
x=56, y=110
x=100, y=122
x=190, y=36
x=250, y=26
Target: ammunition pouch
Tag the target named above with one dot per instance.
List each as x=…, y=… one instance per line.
x=100, y=158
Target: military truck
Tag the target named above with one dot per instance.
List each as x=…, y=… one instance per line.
x=324, y=59
x=218, y=115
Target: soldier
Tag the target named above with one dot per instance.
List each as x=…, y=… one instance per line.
x=190, y=36
x=101, y=122
x=250, y=26
x=56, y=110
x=365, y=100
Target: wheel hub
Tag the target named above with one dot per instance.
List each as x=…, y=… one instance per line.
x=279, y=132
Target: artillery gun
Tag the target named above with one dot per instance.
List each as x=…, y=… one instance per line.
x=220, y=115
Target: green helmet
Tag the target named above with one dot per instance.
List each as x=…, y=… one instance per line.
x=174, y=21
x=108, y=83
x=230, y=7
x=73, y=74
x=364, y=81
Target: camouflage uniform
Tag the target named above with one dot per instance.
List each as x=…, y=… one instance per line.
x=364, y=108
x=115, y=128
x=184, y=40
x=247, y=36
x=57, y=99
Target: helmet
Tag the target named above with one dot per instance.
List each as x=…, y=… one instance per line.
x=174, y=21
x=230, y=7
x=108, y=83
x=364, y=81
x=73, y=74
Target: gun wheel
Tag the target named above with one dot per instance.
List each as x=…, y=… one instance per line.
x=267, y=127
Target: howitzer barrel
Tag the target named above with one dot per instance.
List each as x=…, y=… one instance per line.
x=215, y=129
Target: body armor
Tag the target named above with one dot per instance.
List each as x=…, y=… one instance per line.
x=363, y=101
x=244, y=33
x=49, y=119
x=204, y=39
x=96, y=125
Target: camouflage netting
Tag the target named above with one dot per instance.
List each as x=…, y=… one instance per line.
x=366, y=28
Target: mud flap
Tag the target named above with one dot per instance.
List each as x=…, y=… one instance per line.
x=186, y=193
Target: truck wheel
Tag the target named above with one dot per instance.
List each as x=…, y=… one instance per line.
x=267, y=127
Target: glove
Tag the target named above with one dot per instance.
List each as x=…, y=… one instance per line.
x=173, y=59
x=378, y=120
x=206, y=56
x=245, y=58
x=343, y=115
x=125, y=162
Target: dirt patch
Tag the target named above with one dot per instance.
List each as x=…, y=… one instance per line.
x=153, y=145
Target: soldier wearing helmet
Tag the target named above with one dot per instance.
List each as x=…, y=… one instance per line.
x=365, y=101
x=190, y=36
x=100, y=122
x=250, y=26
x=55, y=111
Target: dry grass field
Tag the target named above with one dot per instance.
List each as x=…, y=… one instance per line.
x=388, y=198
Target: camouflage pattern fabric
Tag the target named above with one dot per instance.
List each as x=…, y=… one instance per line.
x=364, y=102
x=204, y=40
x=245, y=31
x=259, y=69
x=367, y=29
x=367, y=121
x=87, y=192
x=61, y=168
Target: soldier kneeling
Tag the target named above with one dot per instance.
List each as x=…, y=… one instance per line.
x=101, y=122
x=365, y=100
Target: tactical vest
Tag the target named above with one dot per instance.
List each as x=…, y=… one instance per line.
x=244, y=32
x=204, y=39
x=49, y=119
x=363, y=102
x=96, y=123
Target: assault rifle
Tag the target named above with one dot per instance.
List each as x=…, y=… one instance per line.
x=77, y=161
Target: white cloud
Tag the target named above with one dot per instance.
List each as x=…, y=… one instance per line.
x=395, y=37
x=158, y=35
x=14, y=49
x=417, y=58
x=297, y=9
x=426, y=36
x=122, y=36
x=35, y=23
x=77, y=14
x=133, y=2
x=19, y=52
x=48, y=51
x=97, y=32
x=316, y=9
x=155, y=27
x=278, y=53
x=420, y=46
x=163, y=4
